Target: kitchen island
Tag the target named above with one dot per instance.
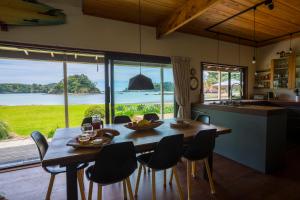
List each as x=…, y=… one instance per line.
x=258, y=138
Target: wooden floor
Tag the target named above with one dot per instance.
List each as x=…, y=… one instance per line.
x=233, y=181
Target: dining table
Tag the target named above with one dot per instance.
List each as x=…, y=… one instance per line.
x=59, y=153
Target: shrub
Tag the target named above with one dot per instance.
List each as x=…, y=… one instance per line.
x=51, y=132
x=4, y=130
x=94, y=110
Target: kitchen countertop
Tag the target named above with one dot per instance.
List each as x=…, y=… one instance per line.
x=246, y=108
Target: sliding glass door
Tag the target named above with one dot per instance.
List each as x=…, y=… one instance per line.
x=86, y=91
x=135, y=103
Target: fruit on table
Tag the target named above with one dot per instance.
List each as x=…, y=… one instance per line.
x=143, y=123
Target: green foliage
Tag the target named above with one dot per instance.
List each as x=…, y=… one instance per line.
x=95, y=110
x=51, y=132
x=4, y=130
x=77, y=84
x=24, y=88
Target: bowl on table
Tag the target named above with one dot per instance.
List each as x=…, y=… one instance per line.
x=143, y=125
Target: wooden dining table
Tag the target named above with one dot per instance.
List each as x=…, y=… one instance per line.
x=59, y=153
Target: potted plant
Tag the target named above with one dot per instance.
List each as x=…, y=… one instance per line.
x=297, y=92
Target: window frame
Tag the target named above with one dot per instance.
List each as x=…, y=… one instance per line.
x=244, y=70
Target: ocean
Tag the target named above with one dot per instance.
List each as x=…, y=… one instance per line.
x=55, y=99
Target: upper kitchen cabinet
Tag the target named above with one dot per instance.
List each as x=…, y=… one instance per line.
x=285, y=72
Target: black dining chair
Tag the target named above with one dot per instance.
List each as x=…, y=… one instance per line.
x=199, y=149
x=114, y=163
x=42, y=146
x=166, y=155
x=151, y=117
x=121, y=119
x=87, y=120
x=203, y=118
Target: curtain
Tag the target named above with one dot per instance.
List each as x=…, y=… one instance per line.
x=181, y=73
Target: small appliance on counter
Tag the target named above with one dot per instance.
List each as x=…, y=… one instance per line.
x=258, y=96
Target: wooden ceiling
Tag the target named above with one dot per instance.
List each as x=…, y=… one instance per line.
x=201, y=17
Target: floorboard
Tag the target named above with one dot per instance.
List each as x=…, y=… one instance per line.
x=233, y=181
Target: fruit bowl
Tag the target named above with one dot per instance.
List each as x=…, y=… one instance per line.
x=143, y=126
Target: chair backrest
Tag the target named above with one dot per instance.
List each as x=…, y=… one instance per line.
x=121, y=119
x=167, y=152
x=201, y=145
x=203, y=118
x=151, y=116
x=40, y=142
x=114, y=163
x=87, y=120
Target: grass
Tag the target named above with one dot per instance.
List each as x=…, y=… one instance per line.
x=22, y=120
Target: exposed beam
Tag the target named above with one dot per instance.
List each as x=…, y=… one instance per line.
x=186, y=13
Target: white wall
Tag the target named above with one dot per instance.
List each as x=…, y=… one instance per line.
x=89, y=32
x=267, y=53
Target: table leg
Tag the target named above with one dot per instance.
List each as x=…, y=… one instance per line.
x=71, y=174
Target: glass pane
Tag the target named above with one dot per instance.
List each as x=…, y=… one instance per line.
x=86, y=85
x=168, y=93
x=236, y=85
x=31, y=99
x=211, y=85
x=224, y=85
x=137, y=103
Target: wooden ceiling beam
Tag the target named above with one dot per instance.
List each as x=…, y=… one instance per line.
x=186, y=13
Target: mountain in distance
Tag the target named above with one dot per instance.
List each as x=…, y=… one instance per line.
x=77, y=84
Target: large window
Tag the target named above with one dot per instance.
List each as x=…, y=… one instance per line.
x=223, y=82
x=28, y=102
x=160, y=100
x=42, y=91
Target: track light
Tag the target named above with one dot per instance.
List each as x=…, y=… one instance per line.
x=253, y=60
x=26, y=52
x=52, y=54
x=96, y=58
x=270, y=4
x=75, y=56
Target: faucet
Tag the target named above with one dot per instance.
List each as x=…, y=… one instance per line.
x=231, y=89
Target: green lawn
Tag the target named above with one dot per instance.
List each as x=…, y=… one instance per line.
x=22, y=120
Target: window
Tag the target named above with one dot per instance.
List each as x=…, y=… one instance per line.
x=135, y=104
x=222, y=82
x=28, y=102
x=33, y=95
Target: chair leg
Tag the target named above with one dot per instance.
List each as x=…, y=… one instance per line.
x=99, y=192
x=188, y=173
x=80, y=175
x=138, y=181
x=171, y=177
x=124, y=189
x=153, y=185
x=90, y=190
x=211, y=183
x=50, y=186
x=165, y=179
x=144, y=168
x=129, y=188
x=194, y=169
x=178, y=183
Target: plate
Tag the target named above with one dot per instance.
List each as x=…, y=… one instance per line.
x=103, y=137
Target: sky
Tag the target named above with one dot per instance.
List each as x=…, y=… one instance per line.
x=42, y=72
